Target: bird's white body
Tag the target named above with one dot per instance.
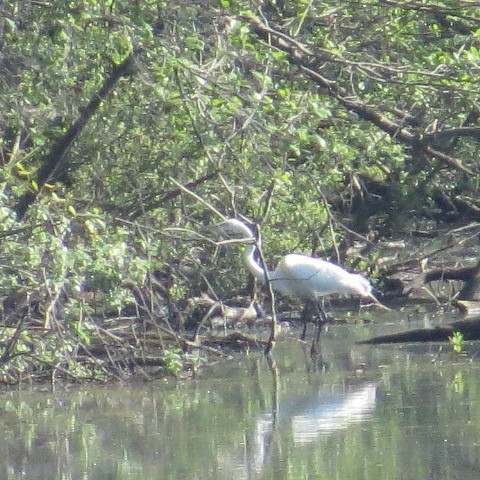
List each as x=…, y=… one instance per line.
x=307, y=277
x=299, y=275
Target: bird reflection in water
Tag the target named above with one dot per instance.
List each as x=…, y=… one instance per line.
x=311, y=417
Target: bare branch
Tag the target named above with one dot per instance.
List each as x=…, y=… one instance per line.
x=304, y=57
x=436, y=9
x=451, y=134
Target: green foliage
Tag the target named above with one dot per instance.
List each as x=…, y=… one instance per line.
x=209, y=94
x=173, y=362
x=457, y=341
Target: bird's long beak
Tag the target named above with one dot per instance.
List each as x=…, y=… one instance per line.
x=378, y=303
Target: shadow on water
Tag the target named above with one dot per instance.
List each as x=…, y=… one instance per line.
x=354, y=412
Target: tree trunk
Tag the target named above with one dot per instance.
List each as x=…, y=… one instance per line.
x=54, y=162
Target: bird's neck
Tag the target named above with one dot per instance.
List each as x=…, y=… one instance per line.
x=255, y=268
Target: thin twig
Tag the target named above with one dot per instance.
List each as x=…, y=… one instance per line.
x=198, y=198
x=274, y=325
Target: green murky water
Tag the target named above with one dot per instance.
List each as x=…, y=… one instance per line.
x=356, y=412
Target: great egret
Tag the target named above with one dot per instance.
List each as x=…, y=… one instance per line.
x=300, y=276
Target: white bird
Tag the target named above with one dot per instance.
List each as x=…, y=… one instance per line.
x=300, y=276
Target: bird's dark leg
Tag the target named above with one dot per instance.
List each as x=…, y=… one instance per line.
x=321, y=320
x=305, y=316
x=313, y=308
x=321, y=317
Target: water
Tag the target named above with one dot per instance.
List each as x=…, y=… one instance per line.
x=356, y=412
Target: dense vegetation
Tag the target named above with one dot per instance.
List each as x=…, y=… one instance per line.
x=125, y=122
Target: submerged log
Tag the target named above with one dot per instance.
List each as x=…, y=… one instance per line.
x=470, y=328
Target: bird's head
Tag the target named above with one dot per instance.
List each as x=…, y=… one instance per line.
x=233, y=229
x=363, y=288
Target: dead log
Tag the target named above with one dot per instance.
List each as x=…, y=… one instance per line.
x=470, y=328
x=469, y=275
x=463, y=273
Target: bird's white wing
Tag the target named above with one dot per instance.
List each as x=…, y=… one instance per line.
x=309, y=277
